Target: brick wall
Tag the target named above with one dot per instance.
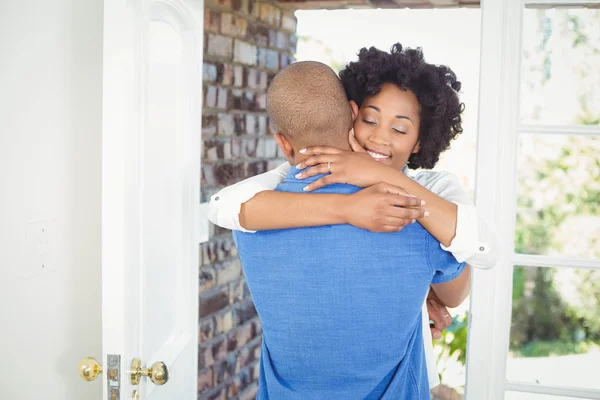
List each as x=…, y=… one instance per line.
x=246, y=43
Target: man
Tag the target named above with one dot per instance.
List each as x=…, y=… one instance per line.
x=340, y=306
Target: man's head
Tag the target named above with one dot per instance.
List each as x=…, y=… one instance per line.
x=307, y=106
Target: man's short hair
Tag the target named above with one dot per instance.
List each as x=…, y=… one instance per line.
x=306, y=103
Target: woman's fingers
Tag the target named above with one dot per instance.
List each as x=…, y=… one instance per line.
x=309, y=151
x=318, y=169
x=405, y=213
x=318, y=159
x=354, y=145
x=324, y=181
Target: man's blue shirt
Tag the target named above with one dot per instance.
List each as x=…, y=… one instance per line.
x=340, y=307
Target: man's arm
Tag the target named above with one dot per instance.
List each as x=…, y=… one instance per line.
x=453, y=293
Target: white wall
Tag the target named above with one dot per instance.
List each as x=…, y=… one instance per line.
x=50, y=173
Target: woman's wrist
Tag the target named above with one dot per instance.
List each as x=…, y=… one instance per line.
x=341, y=209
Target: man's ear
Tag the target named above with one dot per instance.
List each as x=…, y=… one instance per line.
x=285, y=146
x=354, y=108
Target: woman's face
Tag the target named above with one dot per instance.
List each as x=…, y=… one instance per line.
x=387, y=125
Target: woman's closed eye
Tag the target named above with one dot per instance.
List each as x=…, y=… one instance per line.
x=366, y=121
x=399, y=131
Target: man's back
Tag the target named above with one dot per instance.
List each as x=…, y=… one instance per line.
x=340, y=308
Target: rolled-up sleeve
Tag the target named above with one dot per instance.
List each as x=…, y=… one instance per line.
x=475, y=241
x=224, y=206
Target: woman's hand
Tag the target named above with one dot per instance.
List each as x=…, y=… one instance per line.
x=381, y=208
x=438, y=313
x=355, y=167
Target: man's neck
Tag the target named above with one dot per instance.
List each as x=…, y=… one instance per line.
x=298, y=157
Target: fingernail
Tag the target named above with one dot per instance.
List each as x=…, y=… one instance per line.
x=302, y=151
x=423, y=202
x=300, y=166
x=305, y=188
x=298, y=175
x=426, y=214
x=414, y=220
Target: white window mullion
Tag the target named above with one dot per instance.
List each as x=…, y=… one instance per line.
x=527, y=260
x=564, y=3
x=587, y=394
x=581, y=130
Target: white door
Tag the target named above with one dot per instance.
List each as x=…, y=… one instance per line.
x=537, y=178
x=150, y=196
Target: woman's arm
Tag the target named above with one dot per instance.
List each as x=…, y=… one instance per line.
x=452, y=294
x=379, y=208
x=450, y=218
x=252, y=205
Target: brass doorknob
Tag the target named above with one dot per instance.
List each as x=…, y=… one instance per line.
x=89, y=369
x=158, y=373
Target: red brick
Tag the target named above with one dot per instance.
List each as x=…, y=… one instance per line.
x=223, y=99
x=205, y=356
x=211, y=97
x=209, y=72
x=270, y=14
x=255, y=370
x=224, y=370
x=244, y=53
x=284, y=60
x=244, y=312
x=225, y=125
x=242, y=6
x=232, y=25
x=254, y=8
x=253, y=78
x=219, y=349
x=260, y=100
x=270, y=148
x=223, y=322
x=209, y=125
x=283, y=41
x=212, y=20
x=239, y=124
x=214, y=301
x=239, y=383
x=205, y=379
x=236, y=291
x=268, y=58
x=256, y=351
x=225, y=76
x=262, y=125
x=228, y=272
x=207, y=279
x=256, y=168
x=220, y=46
x=258, y=34
x=206, y=329
x=256, y=328
x=249, y=393
x=228, y=174
x=238, y=76
x=220, y=394
x=263, y=80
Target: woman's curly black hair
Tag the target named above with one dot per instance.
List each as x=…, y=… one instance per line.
x=435, y=87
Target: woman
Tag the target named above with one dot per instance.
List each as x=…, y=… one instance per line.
x=405, y=114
